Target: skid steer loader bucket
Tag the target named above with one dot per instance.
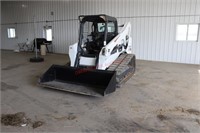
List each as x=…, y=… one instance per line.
x=79, y=80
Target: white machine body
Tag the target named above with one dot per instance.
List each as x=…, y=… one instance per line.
x=122, y=43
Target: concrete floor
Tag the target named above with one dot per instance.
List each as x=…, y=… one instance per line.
x=167, y=89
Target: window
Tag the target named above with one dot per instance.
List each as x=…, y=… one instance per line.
x=101, y=27
x=193, y=32
x=48, y=33
x=187, y=32
x=87, y=27
x=111, y=27
x=11, y=33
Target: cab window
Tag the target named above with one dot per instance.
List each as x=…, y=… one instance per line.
x=111, y=27
x=101, y=27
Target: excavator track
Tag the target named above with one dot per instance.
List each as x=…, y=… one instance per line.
x=124, y=66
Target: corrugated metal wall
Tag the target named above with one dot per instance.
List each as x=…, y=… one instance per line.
x=153, y=24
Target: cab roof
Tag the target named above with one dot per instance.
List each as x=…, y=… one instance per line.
x=97, y=18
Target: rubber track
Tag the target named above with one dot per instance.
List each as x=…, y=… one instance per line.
x=124, y=67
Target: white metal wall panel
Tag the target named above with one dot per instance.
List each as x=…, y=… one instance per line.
x=153, y=24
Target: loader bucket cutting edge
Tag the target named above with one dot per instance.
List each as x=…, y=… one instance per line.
x=79, y=80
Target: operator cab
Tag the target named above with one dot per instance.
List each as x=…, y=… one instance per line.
x=95, y=32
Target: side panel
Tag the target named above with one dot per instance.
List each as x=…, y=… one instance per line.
x=121, y=43
x=105, y=61
x=129, y=49
x=72, y=53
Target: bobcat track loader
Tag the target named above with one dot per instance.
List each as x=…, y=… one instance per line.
x=100, y=61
